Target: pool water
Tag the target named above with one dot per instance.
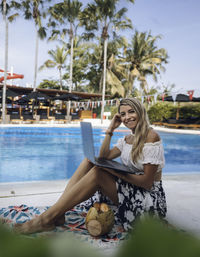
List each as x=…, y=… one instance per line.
x=29, y=154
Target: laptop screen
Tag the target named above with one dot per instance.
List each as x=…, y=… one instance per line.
x=87, y=141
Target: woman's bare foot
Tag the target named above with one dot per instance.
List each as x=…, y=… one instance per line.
x=60, y=221
x=33, y=226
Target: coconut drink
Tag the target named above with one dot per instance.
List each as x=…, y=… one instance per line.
x=100, y=219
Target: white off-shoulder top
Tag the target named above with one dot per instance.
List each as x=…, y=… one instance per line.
x=152, y=153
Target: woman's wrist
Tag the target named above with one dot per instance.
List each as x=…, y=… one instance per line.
x=110, y=129
x=109, y=132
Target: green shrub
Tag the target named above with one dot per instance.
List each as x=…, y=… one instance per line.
x=114, y=110
x=108, y=108
x=189, y=110
x=166, y=110
x=161, y=111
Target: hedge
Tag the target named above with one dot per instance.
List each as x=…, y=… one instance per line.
x=162, y=111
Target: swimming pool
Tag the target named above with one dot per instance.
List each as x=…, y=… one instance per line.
x=42, y=153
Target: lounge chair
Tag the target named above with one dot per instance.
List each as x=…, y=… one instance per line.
x=43, y=114
x=27, y=117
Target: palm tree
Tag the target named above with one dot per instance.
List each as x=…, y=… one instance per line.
x=64, y=13
x=81, y=62
x=167, y=89
x=94, y=66
x=115, y=71
x=103, y=14
x=6, y=8
x=35, y=10
x=58, y=59
x=49, y=84
x=145, y=58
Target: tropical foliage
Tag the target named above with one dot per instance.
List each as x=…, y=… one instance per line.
x=49, y=84
x=58, y=59
x=8, y=11
x=162, y=111
x=81, y=55
x=103, y=16
x=145, y=58
x=62, y=14
x=110, y=63
x=35, y=10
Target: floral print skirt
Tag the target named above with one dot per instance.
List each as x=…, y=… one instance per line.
x=134, y=202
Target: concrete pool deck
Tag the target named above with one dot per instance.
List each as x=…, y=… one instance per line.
x=182, y=190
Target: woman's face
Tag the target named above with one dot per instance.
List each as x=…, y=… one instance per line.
x=129, y=116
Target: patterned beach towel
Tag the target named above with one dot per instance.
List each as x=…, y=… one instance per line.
x=74, y=223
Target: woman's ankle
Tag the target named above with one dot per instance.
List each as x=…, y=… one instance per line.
x=49, y=218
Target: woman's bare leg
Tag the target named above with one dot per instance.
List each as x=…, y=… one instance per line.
x=95, y=179
x=82, y=169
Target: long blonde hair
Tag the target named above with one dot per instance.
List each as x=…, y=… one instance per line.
x=142, y=127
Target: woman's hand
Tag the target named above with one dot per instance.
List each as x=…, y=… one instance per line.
x=105, y=151
x=115, y=122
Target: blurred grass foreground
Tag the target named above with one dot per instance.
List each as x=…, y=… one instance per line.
x=149, y=238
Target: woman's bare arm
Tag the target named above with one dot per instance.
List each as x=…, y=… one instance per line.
x=145, y=180
x=105, y=151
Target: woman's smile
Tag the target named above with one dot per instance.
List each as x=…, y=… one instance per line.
x=128, y=116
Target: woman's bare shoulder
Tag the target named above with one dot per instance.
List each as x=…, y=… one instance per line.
x=152, y=136
x=129, y=139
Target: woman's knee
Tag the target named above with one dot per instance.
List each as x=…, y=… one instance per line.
x=98, y=175
x=95, y=173
x=86, y=164
x=86, y=161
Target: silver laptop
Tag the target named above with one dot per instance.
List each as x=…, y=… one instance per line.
x=88, y=149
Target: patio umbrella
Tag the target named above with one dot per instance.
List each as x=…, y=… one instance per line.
x=9, y=93
x=37, y=96
x=179, y=98
x=67, y=97
x=8, y=101
x=196, y=99
x=22, y=101
x=182, y=98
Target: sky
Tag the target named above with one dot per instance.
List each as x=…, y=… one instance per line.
x=177, y=21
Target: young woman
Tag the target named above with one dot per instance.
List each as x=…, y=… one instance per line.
x=132, y=194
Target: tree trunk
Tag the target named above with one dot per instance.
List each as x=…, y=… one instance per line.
x=104, y=78
x=36, y=59
x=100, y=83
x=5, y=65
x=71, y=72
x=60, y=73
